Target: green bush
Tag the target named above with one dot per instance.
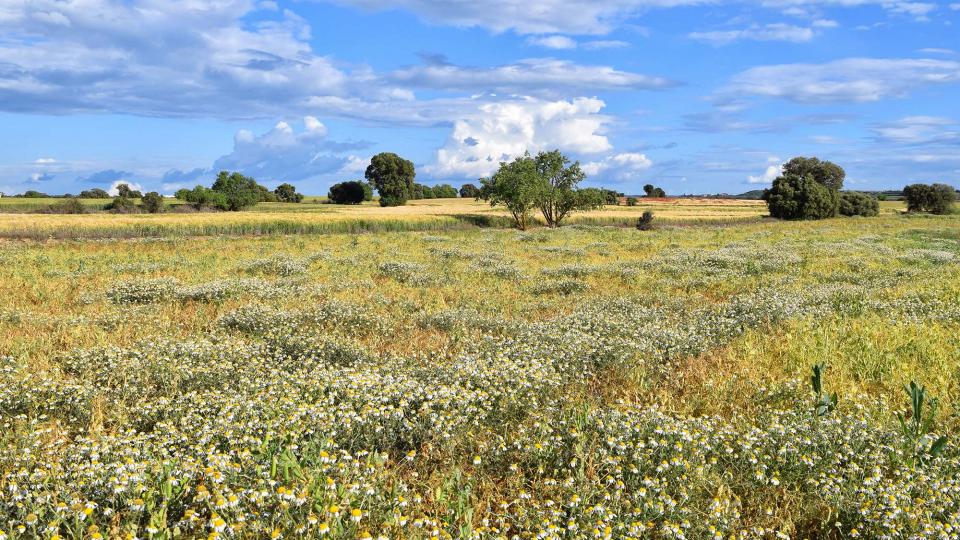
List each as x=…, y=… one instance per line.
x=444, y=191
x=67, y=206
x=287, y=193
x=469, y=191
x=152, y=202
x=122, y=205
x=350, y=192
x=933, y=198
x=801, y=197
x=238, y=191
x=95, y=193
x=855, y=203
x=645, y=221
x=631, y=201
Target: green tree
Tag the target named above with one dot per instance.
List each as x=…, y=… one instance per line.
x=350, y=192
x=392, y=176
x=934, y=198
x=152, y=202
x=855, y=203
x=808, y=188
x=287, y=193
x=124, y=190
x=95, y=193
x=800, y=197
x=469, y=191
x=557, y=194
x=202, y=196
x=444, y=191
x=367, y=190
x=239, y=191
x=515, y=185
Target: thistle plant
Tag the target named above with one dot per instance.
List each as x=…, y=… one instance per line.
x=917, y=428
x=823, y=402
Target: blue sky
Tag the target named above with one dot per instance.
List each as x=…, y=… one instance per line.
x=696, y=96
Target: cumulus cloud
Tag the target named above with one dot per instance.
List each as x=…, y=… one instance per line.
x=284, y=154
x=846, y=80
x=773, y=170
x=533, y=75
x=39, y=178
x=565, y=42
x=622, y=166
x=503, y=130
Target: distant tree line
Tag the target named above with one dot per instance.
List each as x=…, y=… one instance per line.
x=233, y=191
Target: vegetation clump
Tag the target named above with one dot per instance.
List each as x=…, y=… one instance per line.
x=855, y=203
x=932, y=198
x=392, y=176
x=807, y=189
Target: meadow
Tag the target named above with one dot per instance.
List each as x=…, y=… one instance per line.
x=431, y=375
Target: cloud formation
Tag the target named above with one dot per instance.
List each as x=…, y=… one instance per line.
x=768, y=32
x=846, y=80
x=621, y=167
x=504, y=130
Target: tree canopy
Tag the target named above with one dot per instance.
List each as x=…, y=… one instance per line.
x=392, y=176
x=807, y=188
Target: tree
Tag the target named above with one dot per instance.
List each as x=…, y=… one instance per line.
x=121, y=205
x=201, y=196
x=33, y=194
x=648, y=190
x=350, y=192
x=855, y=203
x=631, y=201
x=95, y=193
x=935, y=198
x=421, y=191
x=392, y=176
x=287, y=193
x=152, y=202
x=654, y=192
x=444, y=191
x=469, y=191
x=611, y=196
x=124, y=190
x=800, y=197
x=808, y=188
x=239, y=191
x=557, y=194
x=514, y=185
x=367, y=190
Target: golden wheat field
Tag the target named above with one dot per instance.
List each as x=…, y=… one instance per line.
x=426, y=372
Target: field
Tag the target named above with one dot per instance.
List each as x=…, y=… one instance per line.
x=409, y=374
x=313, y=218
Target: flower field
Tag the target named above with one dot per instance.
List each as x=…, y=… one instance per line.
x=583, y=382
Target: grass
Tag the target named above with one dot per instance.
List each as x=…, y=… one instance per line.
x=269, y=373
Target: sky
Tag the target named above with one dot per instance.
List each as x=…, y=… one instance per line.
x=695, y=96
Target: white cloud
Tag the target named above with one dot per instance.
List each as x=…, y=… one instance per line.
x=113, y=191
x=284, y=154
x=583, y=16
x=769, y=32
x=773, y=170
x=850, y=79
x=919, y=130
x=599, y=44
x=44, y=161
x=504, y=130
x=552, y=42
x=623, y=166
x=525, y=76
x=355, y=165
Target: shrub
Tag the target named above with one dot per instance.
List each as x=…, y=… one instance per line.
x=95, y=193
x=855, y=203
x=238, y=191
x=67, y=206
x=350, y=192
x=152, y=202
x=392, y=176
x=122, y=205
x=935, y=198
x=807, y=189
x=287, y=193
x=469, y=191
x=631, y=201
x=645, y=221
x=203, y=197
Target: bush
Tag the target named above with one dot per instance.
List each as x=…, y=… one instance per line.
x=152, y=202
x=122, y=205
x=645, y=221
x=350, y=192
x=631, y=201
x=238, y=191
x=854, y=203
x=469, y=191
x=203, y=197
x=287, y=193
x=801, y=197
x=935, y=198
x=95, y=193
x=68, y=206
